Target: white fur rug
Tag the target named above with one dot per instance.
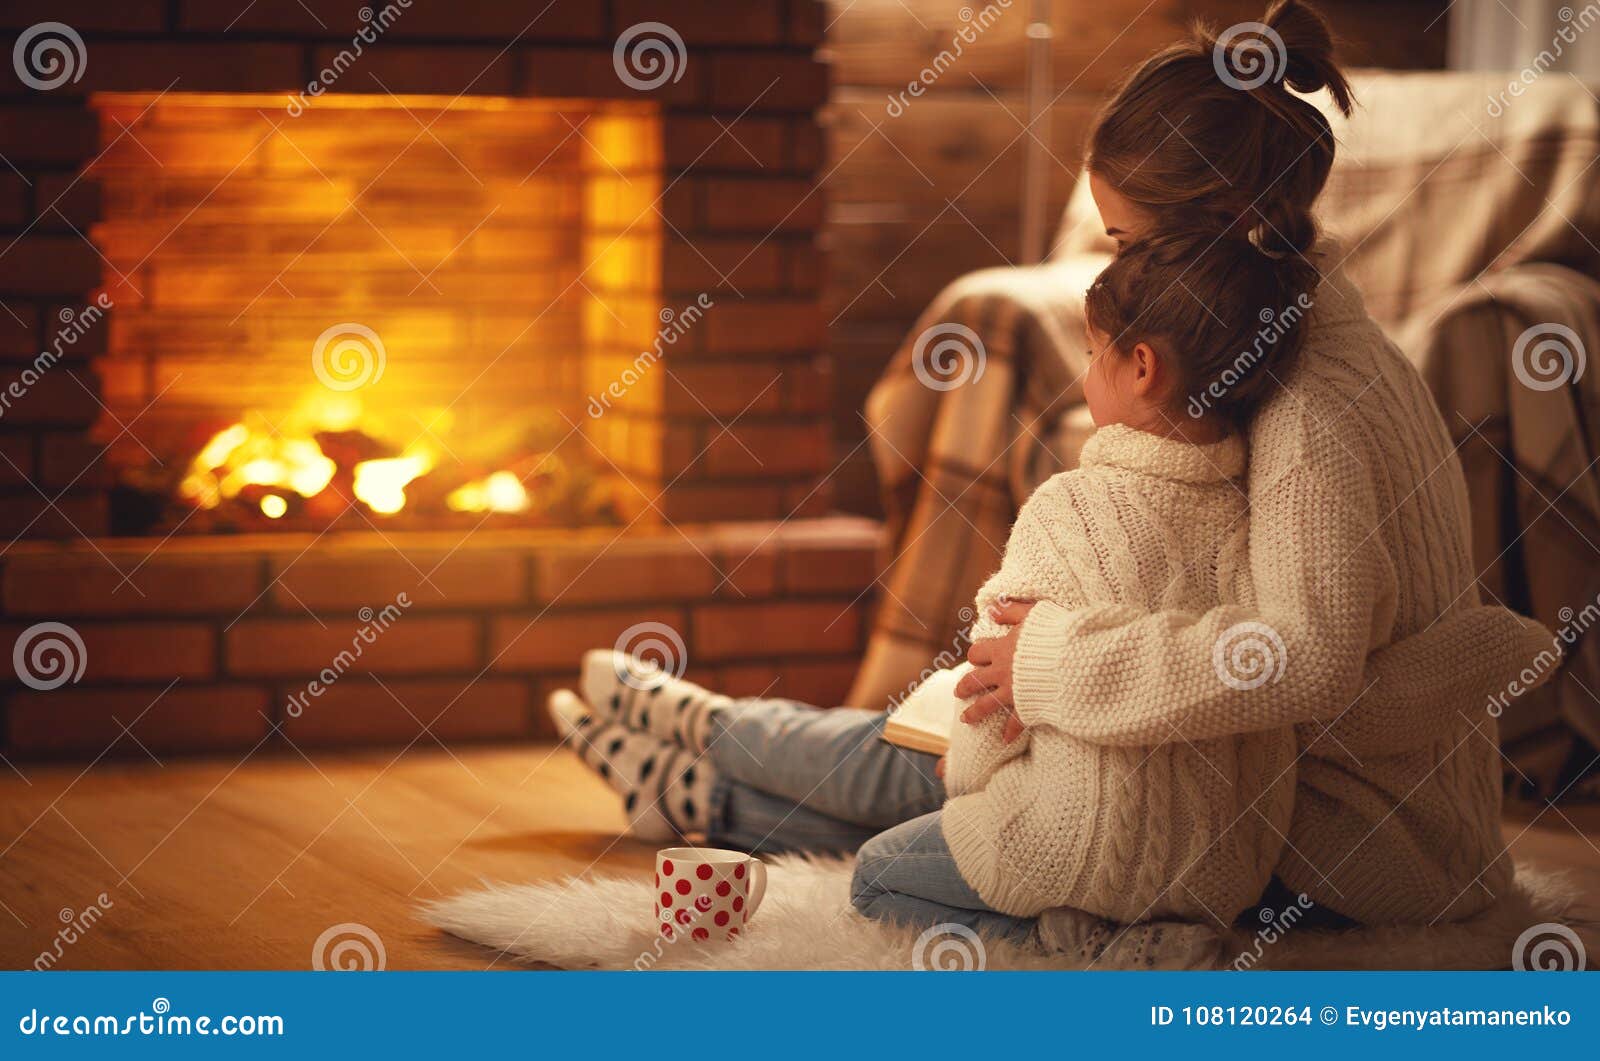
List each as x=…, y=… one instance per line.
x=806, y=922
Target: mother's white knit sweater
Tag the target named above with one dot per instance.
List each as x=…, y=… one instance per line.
x=1187, y=830
x=1361, y=568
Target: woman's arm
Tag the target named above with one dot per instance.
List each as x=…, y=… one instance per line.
x=1419, y=686
x=1118, y=675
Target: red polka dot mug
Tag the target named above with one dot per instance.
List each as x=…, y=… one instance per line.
x=707, y=894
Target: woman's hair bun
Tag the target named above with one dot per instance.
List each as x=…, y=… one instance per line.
x=1309, y=66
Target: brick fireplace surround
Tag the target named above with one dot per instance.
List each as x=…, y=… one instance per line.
x=197, y=643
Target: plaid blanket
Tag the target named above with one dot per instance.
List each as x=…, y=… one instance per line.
x=1464, y=228
x=1530, y=452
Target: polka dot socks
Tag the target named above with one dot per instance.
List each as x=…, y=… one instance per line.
x=665, y=789
x=651, y=701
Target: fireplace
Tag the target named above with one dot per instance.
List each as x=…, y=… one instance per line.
x=375, y=309
x=512, y=314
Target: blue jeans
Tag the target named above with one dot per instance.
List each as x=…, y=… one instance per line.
x=792, y=777
x=907, y=875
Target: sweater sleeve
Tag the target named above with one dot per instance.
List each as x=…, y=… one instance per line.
x=1420, y=685
x=1032, y=569
x=977, y=750
x=1324, y=589
x=1042, y=554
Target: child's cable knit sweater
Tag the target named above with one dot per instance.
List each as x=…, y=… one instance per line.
x=1186, y=830
x=1362, y=571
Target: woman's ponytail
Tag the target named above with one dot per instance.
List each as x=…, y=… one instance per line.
x=1282, y=227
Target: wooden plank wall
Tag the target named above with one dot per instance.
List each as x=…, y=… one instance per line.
x=920, y=193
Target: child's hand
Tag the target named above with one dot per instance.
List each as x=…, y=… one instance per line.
x=988, y=705
x=939, y=767
x=990, y=679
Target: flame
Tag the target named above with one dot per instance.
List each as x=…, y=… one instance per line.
x=381, y=483
x=276, y=460
x=239, y=456
x=330, y=410
x=500, y=492
x=224, y=442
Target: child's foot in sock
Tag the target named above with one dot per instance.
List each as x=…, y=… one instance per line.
x=665, y=789
x=646, y=698
x=1147, y=945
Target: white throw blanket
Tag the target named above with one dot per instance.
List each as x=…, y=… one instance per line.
x=806, y=922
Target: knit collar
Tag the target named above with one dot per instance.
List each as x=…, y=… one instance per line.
x=1120, y=446
x=1337, y=300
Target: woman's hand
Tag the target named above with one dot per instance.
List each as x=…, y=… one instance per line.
x=990, y=680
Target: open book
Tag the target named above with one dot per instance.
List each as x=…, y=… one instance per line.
x=925, y=718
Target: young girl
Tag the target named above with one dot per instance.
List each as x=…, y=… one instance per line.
x=1154, y=516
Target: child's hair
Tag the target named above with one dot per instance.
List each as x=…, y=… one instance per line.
x=1223, y=317
x=1207, y=133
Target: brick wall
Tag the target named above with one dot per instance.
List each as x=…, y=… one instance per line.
x=739, y=214
x=205, y=643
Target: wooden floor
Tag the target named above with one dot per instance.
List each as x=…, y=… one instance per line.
x=220, y=866
x=217, y=865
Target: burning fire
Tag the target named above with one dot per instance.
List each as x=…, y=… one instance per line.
x=290, y=460
x=239, y=456
x=500, y=492
x=382, y=483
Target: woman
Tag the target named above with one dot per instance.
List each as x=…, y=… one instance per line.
x=1367, y=606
